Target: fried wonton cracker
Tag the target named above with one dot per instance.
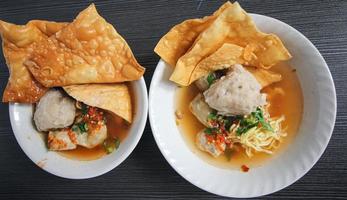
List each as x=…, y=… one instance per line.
x=264, y=77
x=48, y=28
x=181, y=37
x=233, y=26
x=17, y=42
x=114, y=97
x=225, y=57
x=88, y=50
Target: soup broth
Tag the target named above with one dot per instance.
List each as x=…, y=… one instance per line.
x=285, y=98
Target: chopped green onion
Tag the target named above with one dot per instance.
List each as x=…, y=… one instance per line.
x=111, y=144
x=82, y=126
x=212, y=115
x=109, y=149
x=259, y=115
x=244, y=129
x=227, y=123
x=74, y=128
x=266, y=126
x=253, y=120
x=210, y=131
x=84, y=109
x=117, y=143
x=211, y=78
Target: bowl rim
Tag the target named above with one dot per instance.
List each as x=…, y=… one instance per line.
x=115, y=162
x=288, y=183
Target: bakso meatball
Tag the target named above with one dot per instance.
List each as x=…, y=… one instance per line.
x=93, y=137
x=237, y=93
x=54, y=110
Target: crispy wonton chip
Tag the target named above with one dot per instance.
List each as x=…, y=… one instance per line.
x=48, y=28
x=225, y=57
x=264, y=77
x=88, y=50
x=114, y=97
x=234, y=26
x=17, y=41
x=181, y=37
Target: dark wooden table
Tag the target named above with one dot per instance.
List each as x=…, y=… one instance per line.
x=145, y=173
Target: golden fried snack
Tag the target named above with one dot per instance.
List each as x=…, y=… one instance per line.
x=17, y=42
x=181, y=37
x=264, y=77
x=225, y=57
x=232, y=26
x=114, y=97
x=88, y=50
x=48, y=28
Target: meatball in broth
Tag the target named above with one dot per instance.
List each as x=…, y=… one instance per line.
x=54, y=110
x=237, y=93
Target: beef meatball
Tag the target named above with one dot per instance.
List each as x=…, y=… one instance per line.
x=237, y=93
x=93, y=137
x=54, y=110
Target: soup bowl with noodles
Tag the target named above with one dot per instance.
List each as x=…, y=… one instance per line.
x=302, y=106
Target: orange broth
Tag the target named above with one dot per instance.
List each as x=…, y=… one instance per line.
x=289, y=104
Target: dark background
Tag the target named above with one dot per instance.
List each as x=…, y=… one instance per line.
x=145, y=173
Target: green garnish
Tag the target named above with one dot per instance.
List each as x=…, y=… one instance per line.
x=230, y=120
x=82, y=126
x=84, y=109
x=74, y=128
x=117, y=143
x=212, y=115
x=109, y=149
x=244, y=129
x=111, y=144
x=259, y=115
x=211, y=78
x=210, y=131
x=253, y=120
x=217, y=121
x=227, y=123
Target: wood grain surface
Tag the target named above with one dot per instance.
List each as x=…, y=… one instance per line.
x=145, y=173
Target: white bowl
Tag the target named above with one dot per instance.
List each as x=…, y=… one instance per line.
x=35, y=148
x=292, y=163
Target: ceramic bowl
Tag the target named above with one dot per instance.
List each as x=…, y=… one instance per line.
x=284, y=169
x=35, y=148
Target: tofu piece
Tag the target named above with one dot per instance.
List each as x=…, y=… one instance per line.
x=200, y=109
x=61, y=140
x=209, y=147
x=237, y=93
x=202, y=83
